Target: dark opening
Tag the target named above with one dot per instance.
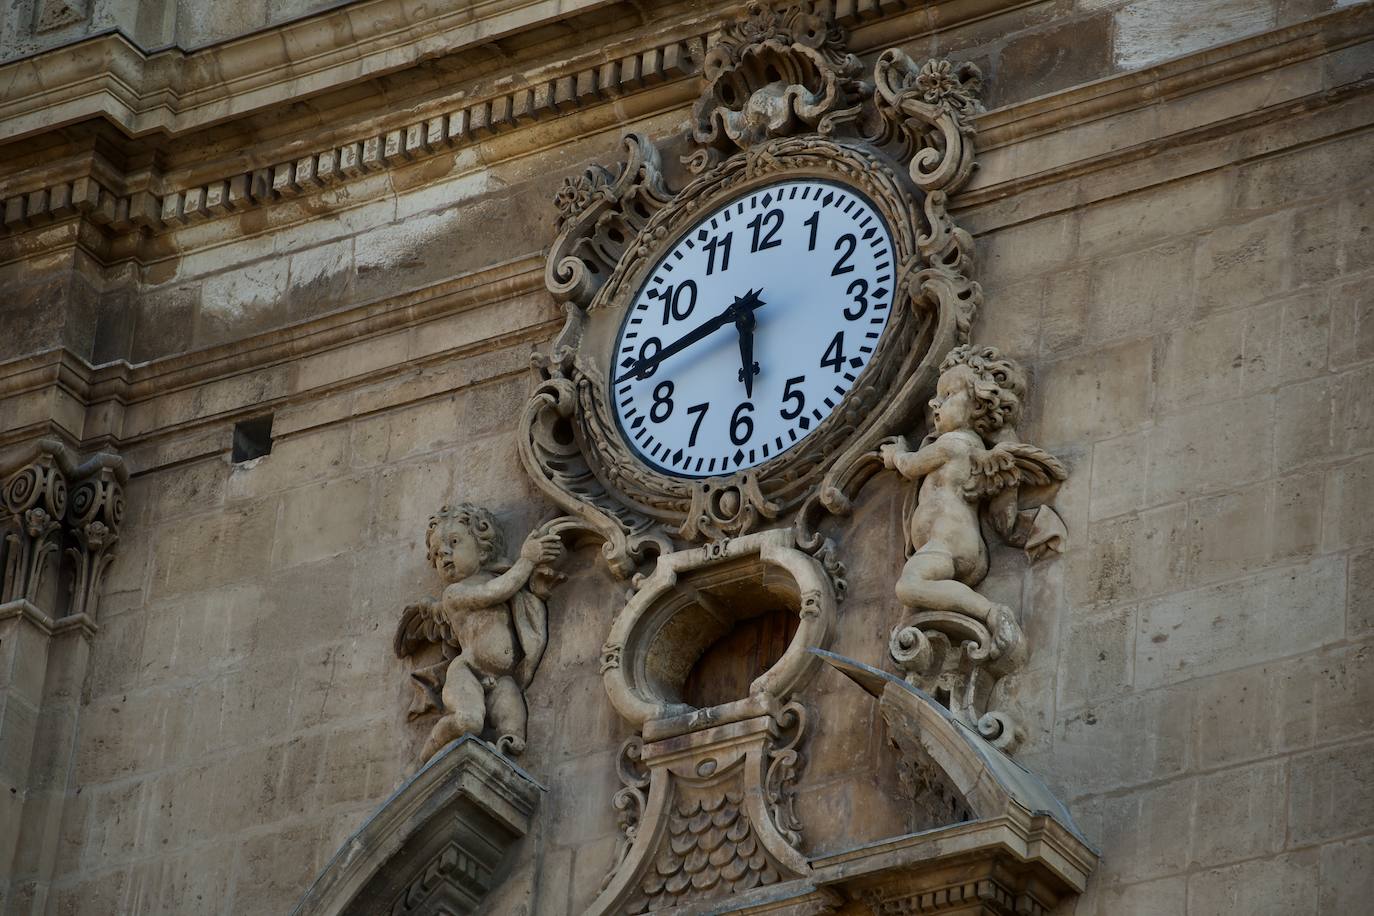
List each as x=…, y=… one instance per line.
x=726, y=669
x=252, y=438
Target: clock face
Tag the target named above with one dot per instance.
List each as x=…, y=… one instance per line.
x=752, y=328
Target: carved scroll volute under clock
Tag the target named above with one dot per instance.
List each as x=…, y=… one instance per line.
x=735, y=351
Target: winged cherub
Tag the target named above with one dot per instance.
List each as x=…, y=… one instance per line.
x=971, y=461
x=491, y=622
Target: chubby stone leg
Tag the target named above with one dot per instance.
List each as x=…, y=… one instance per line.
x=506, y=703
x=464, y=708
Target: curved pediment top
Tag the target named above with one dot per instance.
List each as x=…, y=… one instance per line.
x=437, y=844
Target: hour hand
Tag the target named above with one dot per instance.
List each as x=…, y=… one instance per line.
x=748, y=368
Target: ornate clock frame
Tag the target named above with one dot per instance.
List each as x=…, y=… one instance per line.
x=783, y=99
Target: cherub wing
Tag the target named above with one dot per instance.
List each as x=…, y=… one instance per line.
x=1011, y=464
x=420, y=626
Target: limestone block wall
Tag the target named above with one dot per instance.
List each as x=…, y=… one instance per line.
x=1180, y=251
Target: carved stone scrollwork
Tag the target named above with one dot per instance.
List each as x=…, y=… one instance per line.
x=35, y=502
x=771, y=74
x=48, y=500
x=95, y=515
x=600, y=215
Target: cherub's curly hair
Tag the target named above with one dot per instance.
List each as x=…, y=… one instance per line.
x=478, y=520
x=998, y=388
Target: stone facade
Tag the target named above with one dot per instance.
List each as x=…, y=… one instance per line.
x=338, y=215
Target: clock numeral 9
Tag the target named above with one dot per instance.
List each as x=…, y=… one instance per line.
x=770, y=240
x=647, y=351
x=663, y=400
x=791, y=394
x=859, y=290
x=741, y=423
x=842, y=266
x=721, y=245
x=673, y=307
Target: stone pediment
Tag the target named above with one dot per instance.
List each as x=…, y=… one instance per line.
x=436, y=846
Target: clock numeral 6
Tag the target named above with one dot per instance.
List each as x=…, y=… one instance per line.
x=741, y=423
x=792, y=394
x=663, y=399
x=859, y=290
x=672, y=296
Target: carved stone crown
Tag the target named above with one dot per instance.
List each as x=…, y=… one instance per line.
x=773, y=74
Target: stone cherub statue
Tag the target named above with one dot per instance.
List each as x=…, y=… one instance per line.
x=971, y=463
x=491, y=623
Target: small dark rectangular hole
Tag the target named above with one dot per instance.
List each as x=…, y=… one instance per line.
x=252, y=438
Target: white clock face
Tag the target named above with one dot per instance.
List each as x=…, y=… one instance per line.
x=752, y=328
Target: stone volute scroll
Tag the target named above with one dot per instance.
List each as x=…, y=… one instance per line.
x=489, y=626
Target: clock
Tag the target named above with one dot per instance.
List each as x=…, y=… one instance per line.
x=752, y=327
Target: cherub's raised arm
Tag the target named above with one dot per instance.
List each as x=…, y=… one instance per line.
x=918, y=463
x=470, y=594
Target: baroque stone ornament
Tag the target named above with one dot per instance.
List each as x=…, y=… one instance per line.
x=953, y=641
x=437, y=845
x=49, y=505
x=782, y=101
x=773, y=73
x=490, y=624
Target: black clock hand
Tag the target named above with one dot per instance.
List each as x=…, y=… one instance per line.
x=640, y=368
x=744, y=323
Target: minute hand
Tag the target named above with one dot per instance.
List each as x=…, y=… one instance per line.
x=705, y=329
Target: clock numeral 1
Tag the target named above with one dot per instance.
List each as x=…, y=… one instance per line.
x=742, y=423
x=700, y=411
x=663, y=399
x=791, y=394
x=814, y=221
x=842, y=266
x=834, y=354
x=723, y=245
x=773, y=217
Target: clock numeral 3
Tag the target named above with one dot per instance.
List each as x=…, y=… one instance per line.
x=721, y=245
x=859, y=290
x=700, y=411
x=663, y=399
x=791, y=394
x=742, y=423
x=834, y=354
x=770, y=240
x=849, y=243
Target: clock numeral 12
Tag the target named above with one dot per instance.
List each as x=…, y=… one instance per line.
x=723, y=245
x=770, y=240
